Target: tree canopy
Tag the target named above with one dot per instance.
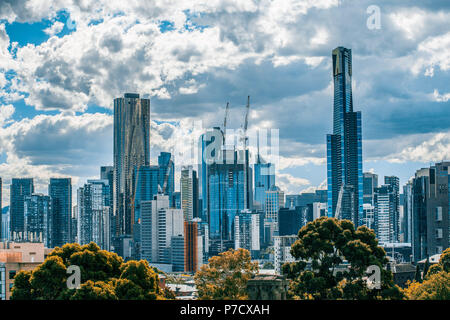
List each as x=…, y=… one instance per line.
x=225, y=276
x=104, y=276
x=436, y=282
x=332, y=260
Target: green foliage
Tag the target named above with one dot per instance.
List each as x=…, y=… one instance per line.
x=22, y=286
x=444, y=261
x=434, y=269
x=436, y=282
x=91, y=290
x=144, y=278
x=325, y=244
x=435, y=287
x=268, y=265
x=225, y=277
x=104, y=276
x=48, y=280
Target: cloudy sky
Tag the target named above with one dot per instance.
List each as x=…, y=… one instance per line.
x=63, y=62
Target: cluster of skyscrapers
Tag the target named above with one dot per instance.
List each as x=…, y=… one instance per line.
x=134, y=210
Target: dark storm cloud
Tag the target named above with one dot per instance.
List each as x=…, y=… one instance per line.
x=295, y=97
x=66, y=140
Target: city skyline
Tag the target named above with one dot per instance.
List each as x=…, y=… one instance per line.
x=78, y=131
x=224, y=150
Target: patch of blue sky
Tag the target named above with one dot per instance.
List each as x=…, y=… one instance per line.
x=315, y=174
x=93, y=108
x=403, y=170
x=95, y=22
x=191, y=24
x=27, y=33
x=166, y=25
x=174, y=123
x=22, y=111
x=3, y=157
x=33, y=33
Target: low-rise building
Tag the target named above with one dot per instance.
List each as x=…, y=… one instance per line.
x=267, y=286
x=15, y=257
x=282, y=251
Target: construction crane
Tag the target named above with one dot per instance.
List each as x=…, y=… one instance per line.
x=337, y=213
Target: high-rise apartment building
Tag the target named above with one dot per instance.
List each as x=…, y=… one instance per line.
x=20, y=188
x=370, y=182
x=344, y=146
x=291, y=220
x=395, y=183
x=146, y=188
x=430, y=211
x=60, y=192
x=107, y=173
x=131, y=150
x=282, y=251
x=38, y=219
x=193, y=246
x=368, y=215
x=247, y=232
x=407, y=211
x=226, y=199
x=189, y=193
x=93, y=205
x=159, y=223
x=5, y=223
x=384, y=213
x=274, y=200
x=264, y=180
x=166, y=163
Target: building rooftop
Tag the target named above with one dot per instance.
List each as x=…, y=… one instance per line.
x=433, y=259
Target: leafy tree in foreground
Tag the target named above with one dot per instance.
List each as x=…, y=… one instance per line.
x=225, y=276
x=325, y=244
x=436, y=282
x=435, y=287
x=104, y=276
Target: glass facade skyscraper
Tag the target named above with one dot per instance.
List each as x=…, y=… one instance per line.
x=384, y=213
x=226, y=199
x=131, y=150
x=370, y=182
x=164, y=165
x=344, y=146
x=60, y=192
x=146, y=188
x=93, y=213
x=395, y=183
x=20, y=188
x=264, y=180
x=38, y=219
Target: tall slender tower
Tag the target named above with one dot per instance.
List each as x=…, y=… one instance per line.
x=60, y=191
x=131, y=150
x=189, y=192
x=344, y=146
